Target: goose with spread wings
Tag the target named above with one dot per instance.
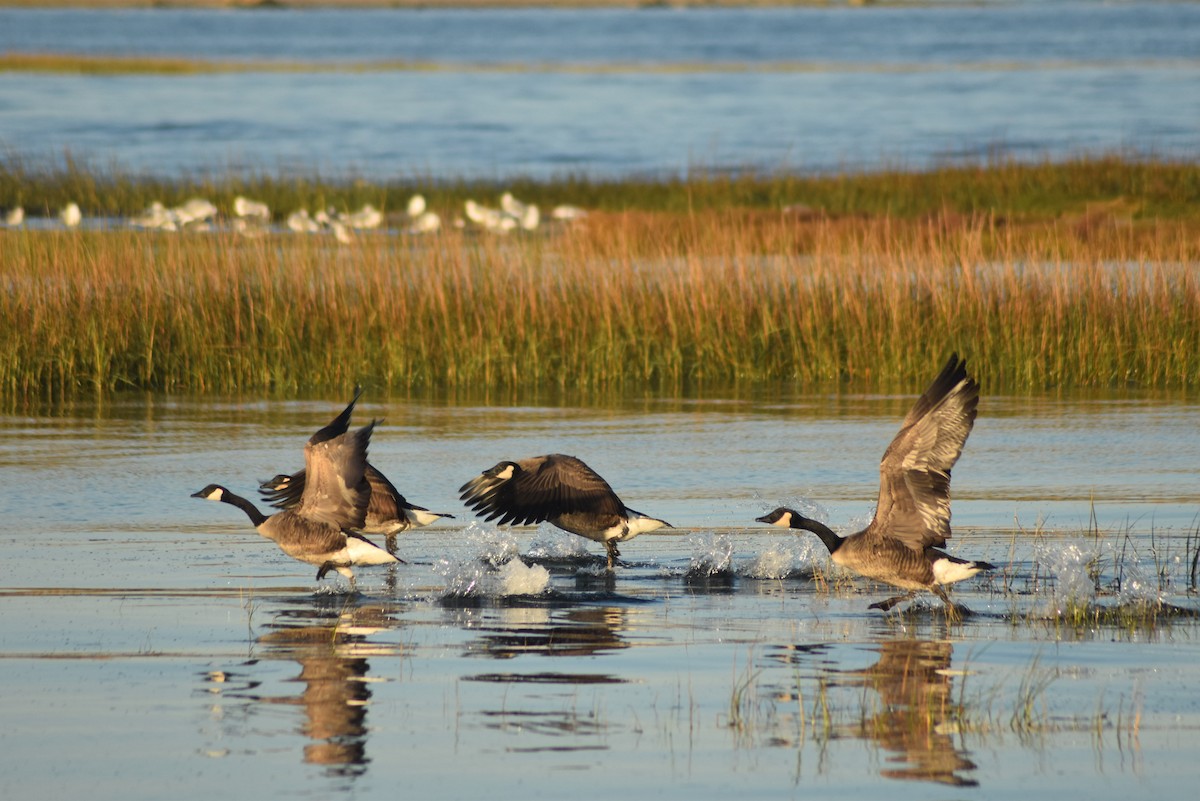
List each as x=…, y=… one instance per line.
x=321, y=529
x=559, y=489
x=902, y=544
x=388, y=512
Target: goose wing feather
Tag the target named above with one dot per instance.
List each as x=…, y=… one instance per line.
x=386, y=500
x=289, y=496
x=540, y=488
x=914, y=486
x=336, y=490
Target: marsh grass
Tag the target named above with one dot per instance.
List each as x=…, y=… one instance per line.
x=660, y=301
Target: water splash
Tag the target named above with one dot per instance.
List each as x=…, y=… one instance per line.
x=476, y=579
x=557, y=545
x=488, y=565
x=1137, y=585
x=782, y=559
x=712, y=554
x=518, y=578
x=1072, y=567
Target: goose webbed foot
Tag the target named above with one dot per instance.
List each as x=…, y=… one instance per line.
x=890, y=602
x=345, y=571
x=390, y=544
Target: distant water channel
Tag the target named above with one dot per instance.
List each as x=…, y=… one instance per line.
x=151, y=640
x=613, y=92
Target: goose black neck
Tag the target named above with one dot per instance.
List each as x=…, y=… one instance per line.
x=256, y=517
x=832, y=541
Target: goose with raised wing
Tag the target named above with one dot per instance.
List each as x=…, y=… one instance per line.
x=561, y=490
x=321, y=529
x=388, y=512
x=902, y=544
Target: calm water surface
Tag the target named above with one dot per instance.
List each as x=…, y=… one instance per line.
x=148, y=636
x=613, y=92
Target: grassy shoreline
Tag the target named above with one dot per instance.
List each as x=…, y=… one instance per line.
x=1077, y=275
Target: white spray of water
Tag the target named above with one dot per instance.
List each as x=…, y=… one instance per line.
x=487, y=565
x=1074, y=567
x=782, y=559
x=1069, y=565
x=518, y=578
x=711, y=554
x=554, y=543
x=1138, y=585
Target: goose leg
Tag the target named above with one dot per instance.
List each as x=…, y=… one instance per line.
x=953, y=610
x=391, y=544
x=613, y=553
x=890, y=602
x=348, y=573
x=323, y=569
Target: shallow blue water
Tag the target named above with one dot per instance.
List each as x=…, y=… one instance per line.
x=154, y=636
x=540, y=93
x=1016, y=32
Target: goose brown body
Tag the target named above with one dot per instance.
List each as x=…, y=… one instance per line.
x=902, y=544
x=561, y=490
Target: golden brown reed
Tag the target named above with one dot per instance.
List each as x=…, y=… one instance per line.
x=671, y=301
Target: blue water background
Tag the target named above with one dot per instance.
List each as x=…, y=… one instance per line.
x=615, y=92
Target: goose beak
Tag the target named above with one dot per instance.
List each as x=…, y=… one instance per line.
x=764, y=519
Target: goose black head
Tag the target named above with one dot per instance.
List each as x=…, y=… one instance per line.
x=783, y=516
x=280, y=482
x=213, y=492
x=503, y=471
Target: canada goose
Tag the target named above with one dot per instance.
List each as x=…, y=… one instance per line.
x=388, y=513
x=559, y=489
x=901, y=544
x=319, y=530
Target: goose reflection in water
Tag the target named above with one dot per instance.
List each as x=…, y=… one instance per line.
x=913, y=680
x=578, y=631
x=914, y=717
x=331, y=645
